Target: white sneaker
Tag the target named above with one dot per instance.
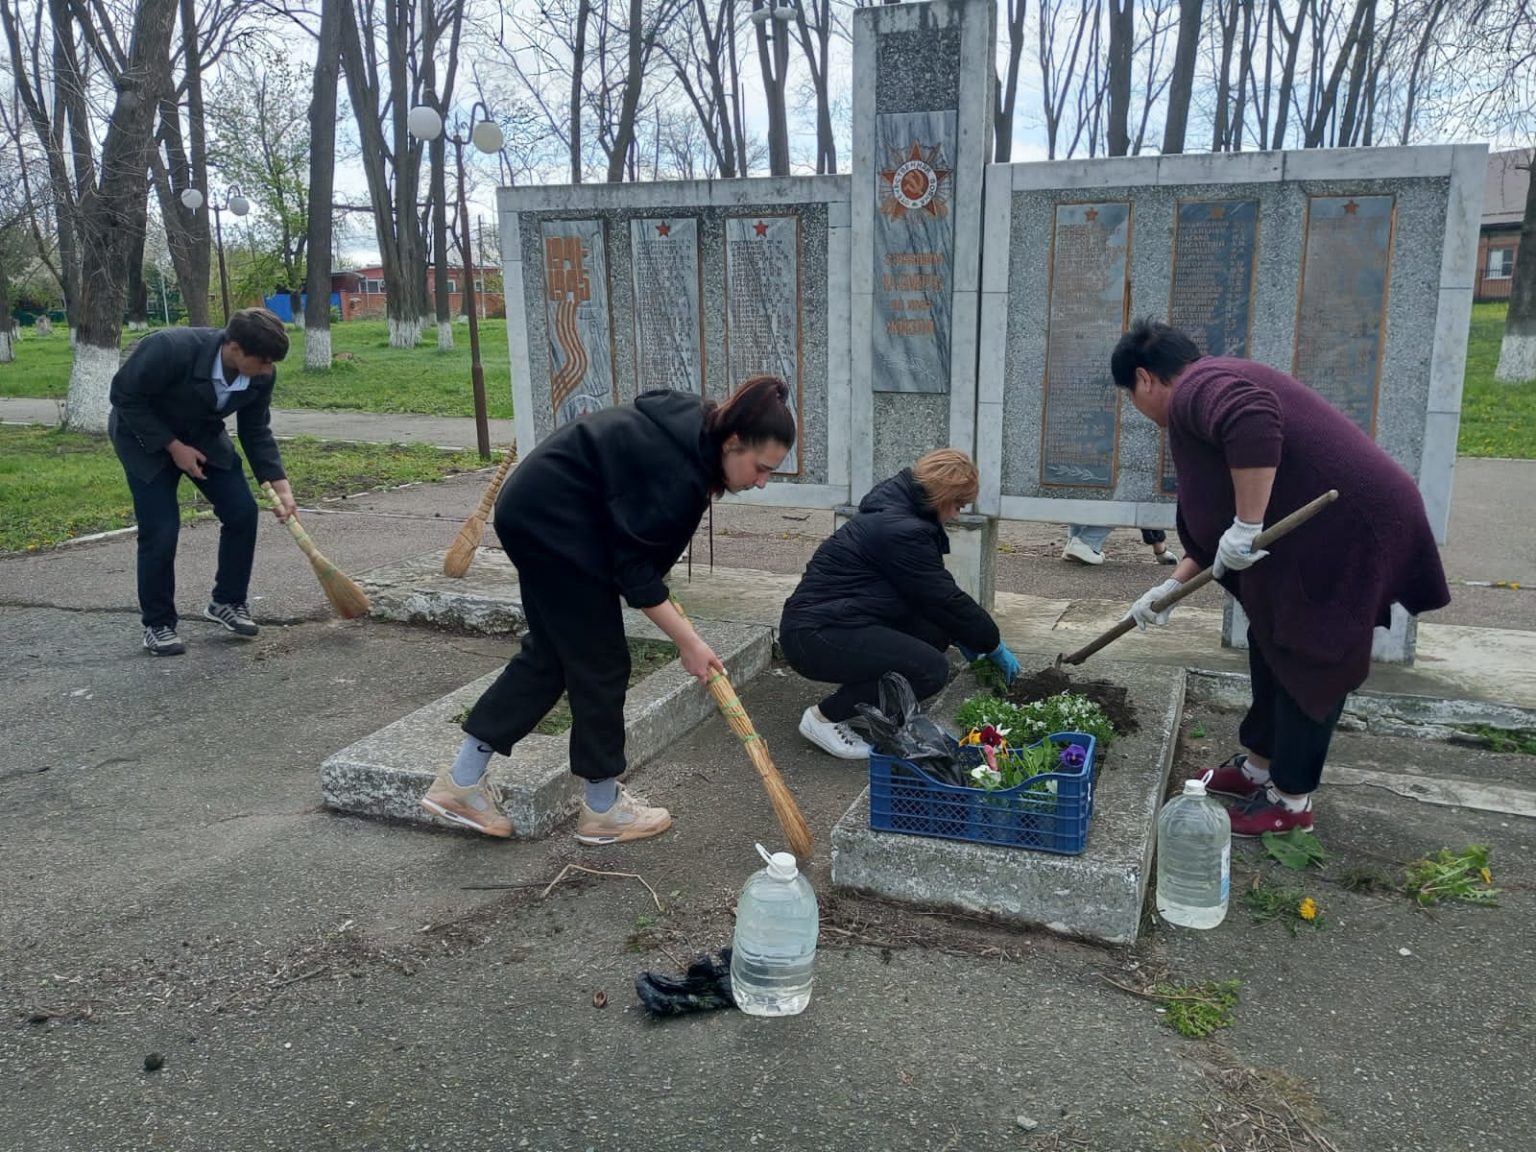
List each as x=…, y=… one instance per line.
x=1077, y=550
x=838, y=739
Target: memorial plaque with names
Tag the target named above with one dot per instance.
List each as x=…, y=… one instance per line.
x=576, y=309
x=1341, y=320
x=762, y=312
x=669, y=329
x=1090, y=250
x=1215, y=259
x=914, y=248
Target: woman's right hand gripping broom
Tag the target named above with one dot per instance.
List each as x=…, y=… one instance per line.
x=698, y=658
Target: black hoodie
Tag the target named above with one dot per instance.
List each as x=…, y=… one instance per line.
x=617, y=494
x=886, y=566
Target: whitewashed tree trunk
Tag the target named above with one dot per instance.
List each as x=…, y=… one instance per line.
x=404, y=333
x=317, y=349
x=298, y=320
x=137, y=325
x=1517, y=359
x=90, y=386
x=444, y=335
x=7, y=348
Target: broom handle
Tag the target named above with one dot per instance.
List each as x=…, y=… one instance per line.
x=488, y=499
x=292, y=522
x=1265, y=538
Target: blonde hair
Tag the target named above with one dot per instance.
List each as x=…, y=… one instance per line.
x=947, y=475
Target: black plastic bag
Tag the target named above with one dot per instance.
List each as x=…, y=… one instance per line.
x=899, y=728
x=705, y=987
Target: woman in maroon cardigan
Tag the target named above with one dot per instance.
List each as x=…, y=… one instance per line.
x=1251, y=445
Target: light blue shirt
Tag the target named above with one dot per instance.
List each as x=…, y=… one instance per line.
x=222, y=388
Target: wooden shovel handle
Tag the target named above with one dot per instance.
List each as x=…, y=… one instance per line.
x=1265, y=538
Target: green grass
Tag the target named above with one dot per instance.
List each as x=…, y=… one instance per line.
x=367, y=374
x=370, y=376
x=56, y=485
x=1496, y=419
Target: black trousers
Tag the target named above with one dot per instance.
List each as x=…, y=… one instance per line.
x=575, y=644
x=159, y=516
x=857, y=657
x=1276, y=728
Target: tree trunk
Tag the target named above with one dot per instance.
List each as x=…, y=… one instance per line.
x=578, y=65
x=1292, y=36
x=322, y=162
x=771, y=59
x=1517, y=353
x=629, y=106
x=1007, y=89
x=1220, y=131
x=107, y=213
x=7, y=325
x=137, y=302
x=1182, y=83
x=1122, y=35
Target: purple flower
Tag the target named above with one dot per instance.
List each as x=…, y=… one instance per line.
x=1073, y=756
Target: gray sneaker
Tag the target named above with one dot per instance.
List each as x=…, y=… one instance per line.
x=234, y=617
x=163, y=642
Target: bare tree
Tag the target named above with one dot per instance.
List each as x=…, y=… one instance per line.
x=322, y=162
x=1060, y=46
x=1007, y=88
x=815, y=36
x=1517, y=352
x=696, y=48
x=773, y=64
x=1181, y=85
x=1122, y=34
x=382, y=93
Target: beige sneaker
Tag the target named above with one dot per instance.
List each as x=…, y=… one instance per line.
x=630, y=818
x=477, y=807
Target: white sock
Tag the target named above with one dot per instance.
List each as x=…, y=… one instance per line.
x=1292, y=804
x=1257, y=775
x=602, y=794
x=470, y=764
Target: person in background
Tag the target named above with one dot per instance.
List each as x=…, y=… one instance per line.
x=1085, y=544
x=169, y=403
x=877, y=598
x=1250, y=446
x=602, y=508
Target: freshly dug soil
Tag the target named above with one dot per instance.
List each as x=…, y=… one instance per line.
x=1049, y=681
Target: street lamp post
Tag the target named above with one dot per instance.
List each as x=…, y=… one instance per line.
x=234, y=201
x=425, y=123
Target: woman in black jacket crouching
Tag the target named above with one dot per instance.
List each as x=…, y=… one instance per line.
x=877, y=598
x=602, y=508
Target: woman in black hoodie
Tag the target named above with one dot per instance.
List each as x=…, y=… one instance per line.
x=877, y=598
x=603, y=507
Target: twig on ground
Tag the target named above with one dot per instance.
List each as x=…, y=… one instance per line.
x=569, y=868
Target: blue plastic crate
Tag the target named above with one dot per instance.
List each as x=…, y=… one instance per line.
x=904, y=798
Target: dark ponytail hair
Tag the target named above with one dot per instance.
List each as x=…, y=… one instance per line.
x=757, y=412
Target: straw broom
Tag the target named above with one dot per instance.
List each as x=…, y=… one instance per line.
x=461, y=553
x=785, y=809
x=349, y=600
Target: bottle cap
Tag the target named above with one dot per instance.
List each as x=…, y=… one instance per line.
x=781, y=865
x=1196, y=787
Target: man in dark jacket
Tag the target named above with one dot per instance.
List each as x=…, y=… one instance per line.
x=1251, y=446
x=877, y=598
x=169, y=403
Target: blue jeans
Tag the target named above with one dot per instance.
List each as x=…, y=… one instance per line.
x=1094, y=535
x=159, y=516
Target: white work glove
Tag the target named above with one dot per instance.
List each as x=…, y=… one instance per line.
x=1236, y=552
x=1141, y=611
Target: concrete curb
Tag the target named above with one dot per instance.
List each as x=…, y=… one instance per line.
x=387, y=773
x=1380, y=713
x=1096, y=896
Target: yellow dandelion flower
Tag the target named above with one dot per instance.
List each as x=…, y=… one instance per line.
x=1486, y=875
x=1307, y=909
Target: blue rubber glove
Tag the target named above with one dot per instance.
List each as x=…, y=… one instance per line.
x=1006, y=662
x=970, y=657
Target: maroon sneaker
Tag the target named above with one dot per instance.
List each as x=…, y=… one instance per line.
x=1229, y=780
x=1261, y=815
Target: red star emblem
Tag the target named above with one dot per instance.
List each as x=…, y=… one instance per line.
x=1351, y=208
x=760, y=228
x=1091, y=215
x=663, y=229
x=1218, y=212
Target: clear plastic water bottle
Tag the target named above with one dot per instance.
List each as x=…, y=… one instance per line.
x=1194, y=859
x=773, y=956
